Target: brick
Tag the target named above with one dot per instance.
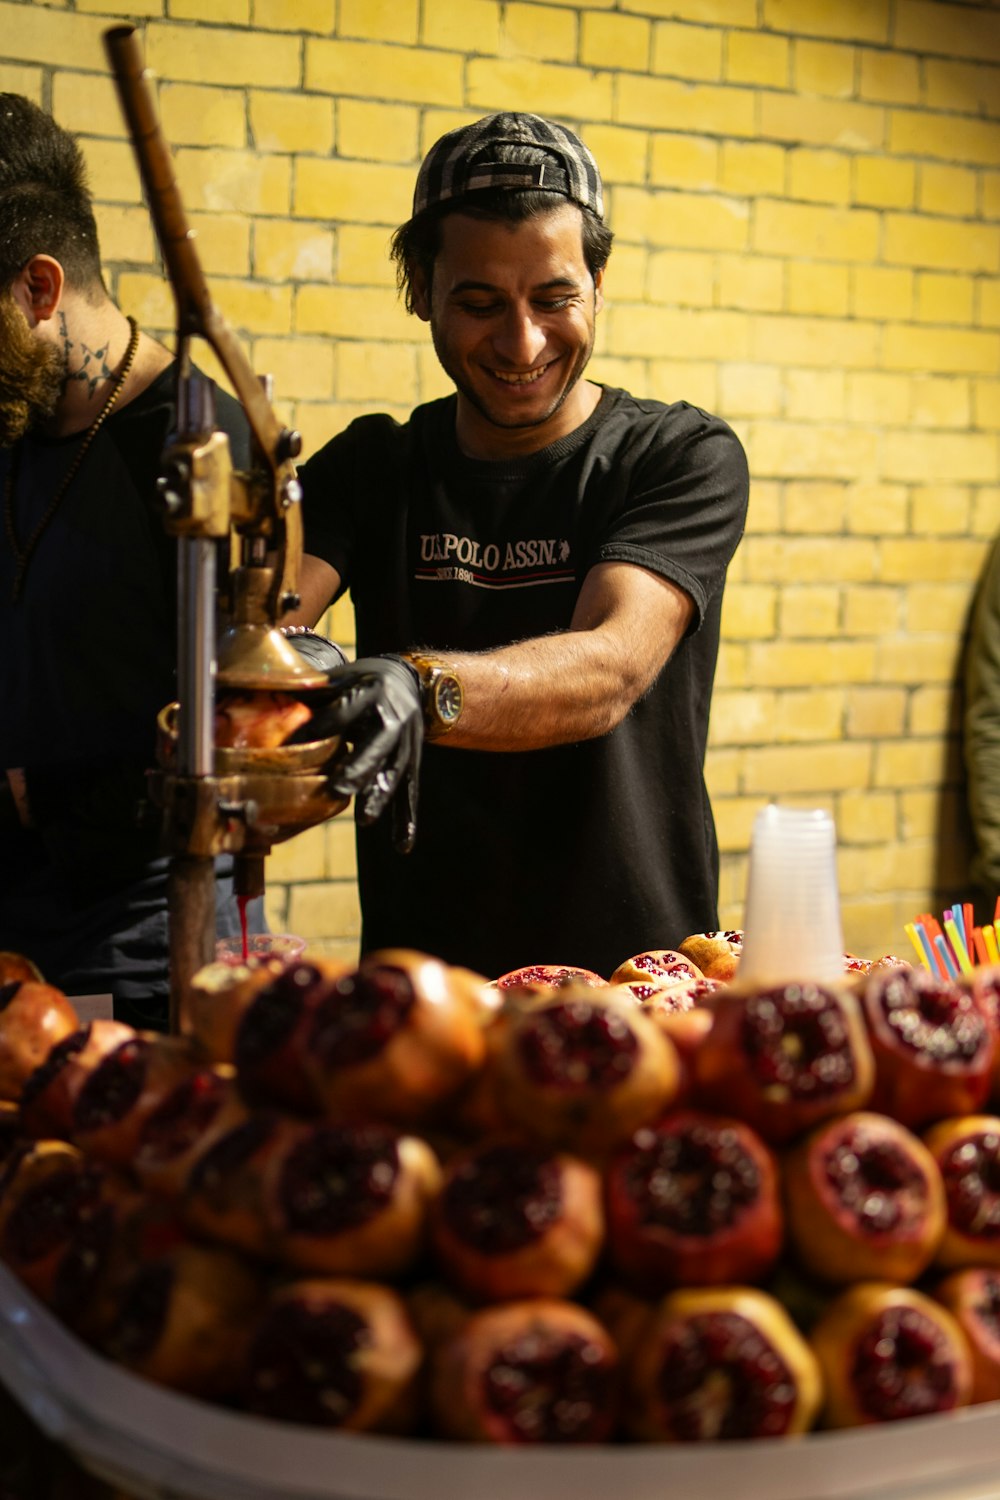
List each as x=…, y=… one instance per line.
x=912, y=559
x=324, y=910
x=149, y=299
x=820, y=289
x=542, y=32
x=882, y=292
x=867, y=920
x=222, y=55
x=341, y=848
x=817, y=232
x=724, y=12
x=196, y=115
x=985, y=511
x=889, y=77
x=912, y=763
x=252, y=308
x=742, y=718
x=814, y=341
x=941, y=402
x=240, y=180
x=569, y=93
x=87, y=102
x=225, y=12
x=870, y=609
x=752, y=57
x=764, y=514
x=684, y=161
x=649, y=330
x=942, y=298
x=922, y=26
x=292, y=122
x=685, y=51
x=732, y=667
x=360, y=192
x=300, y=858
x=366, y=370
x=874, y=509
x=682, y=278
x=865, y=817
x=433, y=381
x=751, y=169
x=734, y=819
x=950, y=138
x=809, y=610
x=621, y=154
x=945, y=606
x=947, y=190
x=855, y=20
x=986, y=403
x=18, y=80
x=682, y=221
x=941, y=508
x=368, y=69
x=706, y=109
x=377, y=132
x=780, y=559
x=849, y=126
x=615, y=41
x=884, y=182
x=814, y=506
x=223, y=242
x=819, y=176
x=113, y=174
x=963, y=350
x=628, y=271
x=749, y=611
x=808, y=714
x=125, y=234
x=310, y=15
x=808, y=392
x=694, y=381
x=37, y=33
x=284, y=250
x=875, y=712
x=989, y=303
x=933, y=710
x=792, y=450
x=753, y=282
x=749, y=390
x=341, y=311
x=824, y=69
x=379, y=20
x=966, y=88
x=363, y=256
x=827, y=768
x=300, y=366
x=958, y=457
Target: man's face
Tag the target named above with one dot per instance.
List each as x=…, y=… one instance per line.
x=512, y=313
x=32, y=374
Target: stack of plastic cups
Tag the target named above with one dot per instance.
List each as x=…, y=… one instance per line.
x=791, y=924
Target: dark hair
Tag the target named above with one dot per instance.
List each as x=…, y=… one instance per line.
x=416, y=244
x=45, y=202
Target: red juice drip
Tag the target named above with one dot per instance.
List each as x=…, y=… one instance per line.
x=242, y=902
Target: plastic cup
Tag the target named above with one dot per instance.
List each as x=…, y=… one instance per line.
x=260, y=946
x=791, y=925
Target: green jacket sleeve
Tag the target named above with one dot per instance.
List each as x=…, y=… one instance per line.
x=982, y=727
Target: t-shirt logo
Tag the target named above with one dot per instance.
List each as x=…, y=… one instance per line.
x=525, y=563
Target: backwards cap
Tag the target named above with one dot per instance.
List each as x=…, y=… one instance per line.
x=465, y=161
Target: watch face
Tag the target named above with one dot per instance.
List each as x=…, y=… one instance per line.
x=448, y=699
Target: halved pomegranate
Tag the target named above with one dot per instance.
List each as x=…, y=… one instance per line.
x=518, y=1220
x=536, y=1371
x=967, y=1153
x=188, y=1121
x=934, y=1046
x=335, y=1353
x=972, y=1296
x=783, y=1057
x=49, y=1095
x=16, y=967
x=585, y=1070
x=220, y=994
x=274, y=1036
x=864, y=1199
x=547, y=977
x=889, y=1353
x=717, y=954
x=117, y=1097
x=657, y=967
x=350, y=1200
x=720, y=1363
x=692, y=1200
x=225, y=1193
x=33, y=1018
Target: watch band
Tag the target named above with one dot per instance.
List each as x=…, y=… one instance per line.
x=441, y=692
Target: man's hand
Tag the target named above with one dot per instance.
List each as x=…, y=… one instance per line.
x=376, y=707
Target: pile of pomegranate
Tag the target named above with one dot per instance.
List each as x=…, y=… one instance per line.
x=667, y=1206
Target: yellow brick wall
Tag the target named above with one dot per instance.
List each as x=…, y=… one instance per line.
x=806, y=197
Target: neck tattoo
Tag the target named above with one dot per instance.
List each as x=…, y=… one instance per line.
x=23, y=554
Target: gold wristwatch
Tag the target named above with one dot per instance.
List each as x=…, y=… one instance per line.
x=440, y=691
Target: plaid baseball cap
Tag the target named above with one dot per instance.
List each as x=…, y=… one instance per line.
x=465, y=161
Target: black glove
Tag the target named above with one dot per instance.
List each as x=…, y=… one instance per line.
x=375, y=706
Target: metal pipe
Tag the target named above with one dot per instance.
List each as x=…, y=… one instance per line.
x=196, y=655
x=191, y=915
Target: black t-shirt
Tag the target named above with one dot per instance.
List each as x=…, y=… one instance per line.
x=582, y=853
x=88, y=651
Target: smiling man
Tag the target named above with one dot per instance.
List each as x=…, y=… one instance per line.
x=547, y=555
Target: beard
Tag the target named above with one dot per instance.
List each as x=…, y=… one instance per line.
x=32, y=375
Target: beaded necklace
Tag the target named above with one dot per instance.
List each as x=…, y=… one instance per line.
x=23, y=555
